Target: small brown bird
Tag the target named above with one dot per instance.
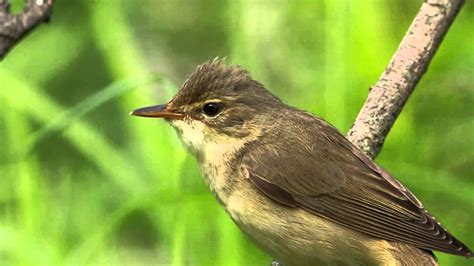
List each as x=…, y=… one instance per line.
x=292, y=182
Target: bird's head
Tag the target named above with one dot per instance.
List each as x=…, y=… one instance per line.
x=217, y=104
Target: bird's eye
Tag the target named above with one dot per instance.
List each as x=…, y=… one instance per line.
x=211, y=109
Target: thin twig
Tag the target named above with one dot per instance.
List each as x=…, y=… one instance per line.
x=388, y=96
x=14, y=27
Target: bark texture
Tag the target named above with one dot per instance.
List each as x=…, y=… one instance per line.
x=14, y=27
x=388, y=96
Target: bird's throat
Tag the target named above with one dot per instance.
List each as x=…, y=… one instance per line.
x=215, y=153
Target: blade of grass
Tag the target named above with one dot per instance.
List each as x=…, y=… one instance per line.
x=335, y=65
x=88, y=140
x=123, y=58
x=28, y=182
x=92, y=243
x=161, y=153
x=69, y=116
x=86, y=249
x=179, y=238
x=64, y=47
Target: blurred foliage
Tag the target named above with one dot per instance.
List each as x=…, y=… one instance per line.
x=81, y=182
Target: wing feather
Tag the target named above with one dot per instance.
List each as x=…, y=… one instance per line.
x=320, y=171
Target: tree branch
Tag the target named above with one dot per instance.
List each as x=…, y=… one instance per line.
x=388, y=96
x=14, y=27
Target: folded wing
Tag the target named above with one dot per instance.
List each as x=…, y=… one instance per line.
x=331, y=178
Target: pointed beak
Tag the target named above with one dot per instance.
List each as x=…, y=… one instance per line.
x=162, y=110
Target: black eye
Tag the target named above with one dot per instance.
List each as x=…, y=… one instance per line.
x=211, y=109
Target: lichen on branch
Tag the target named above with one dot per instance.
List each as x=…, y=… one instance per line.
x=13, y=27
x=388, y=96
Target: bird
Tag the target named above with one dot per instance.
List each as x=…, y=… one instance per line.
x=292, y=182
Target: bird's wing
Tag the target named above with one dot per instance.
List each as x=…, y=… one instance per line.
x=331, y=178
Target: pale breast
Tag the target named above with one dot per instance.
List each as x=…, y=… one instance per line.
x=291, y=235
x=214, y=151
x=296, y=237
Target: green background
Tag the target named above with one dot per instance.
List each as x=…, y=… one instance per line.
x=84, y=183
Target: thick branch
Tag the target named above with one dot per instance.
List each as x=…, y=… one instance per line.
x=387, y=98
x=14, y=27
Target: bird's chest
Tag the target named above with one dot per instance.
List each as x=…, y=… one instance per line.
x=218, y=174
x=294, y=236
x=213, y=151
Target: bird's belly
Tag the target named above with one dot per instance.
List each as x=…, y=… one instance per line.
x=296, y=237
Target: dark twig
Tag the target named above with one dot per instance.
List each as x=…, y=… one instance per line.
x=388, y=96
x=14, y=27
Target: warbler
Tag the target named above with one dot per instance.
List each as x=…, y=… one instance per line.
x=292, y=182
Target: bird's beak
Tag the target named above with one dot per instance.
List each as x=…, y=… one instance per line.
x=162, y=110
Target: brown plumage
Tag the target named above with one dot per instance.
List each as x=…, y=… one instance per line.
x=293, y=183
x=341, y=184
